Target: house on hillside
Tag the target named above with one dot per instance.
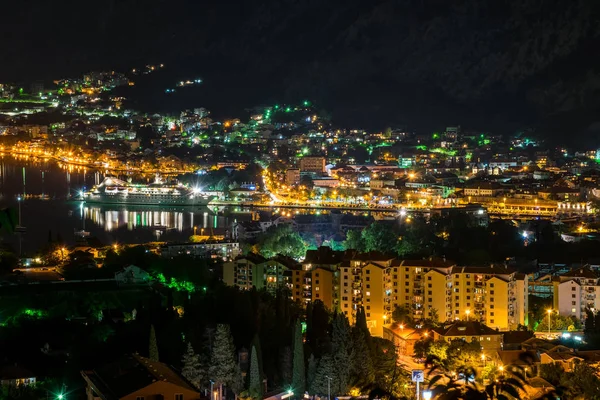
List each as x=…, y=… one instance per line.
x=136, y=377
x=132, y=275
x=471, y=331
x=14, y=375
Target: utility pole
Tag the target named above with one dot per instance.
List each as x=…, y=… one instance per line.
x=328, y=387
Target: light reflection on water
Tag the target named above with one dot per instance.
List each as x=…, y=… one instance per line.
x=113, y=219
x=49, y=209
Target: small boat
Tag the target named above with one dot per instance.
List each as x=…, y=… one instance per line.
x=82, y=234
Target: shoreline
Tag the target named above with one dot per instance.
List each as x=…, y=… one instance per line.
x=58, y=160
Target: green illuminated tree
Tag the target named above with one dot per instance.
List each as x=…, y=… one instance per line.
x=153, y=346
x=298, y=373
x=380, y=237
x=283, y=240
x=354, y=240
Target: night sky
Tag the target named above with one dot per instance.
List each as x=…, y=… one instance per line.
x=486, y=64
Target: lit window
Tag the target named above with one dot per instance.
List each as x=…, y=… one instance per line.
x=368, y=293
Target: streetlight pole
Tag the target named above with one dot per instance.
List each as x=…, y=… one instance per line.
x=549, y=311
x=19, y=202
x=468, y=312
x=328, y=387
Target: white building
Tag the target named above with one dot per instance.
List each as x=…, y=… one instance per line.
x=218, y=248
x=575, y=291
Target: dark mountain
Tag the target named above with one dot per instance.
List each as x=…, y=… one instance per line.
x=490, y=64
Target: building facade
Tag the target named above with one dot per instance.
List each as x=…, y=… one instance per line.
x=312, y=164
x=429, y=289
x=576, y=290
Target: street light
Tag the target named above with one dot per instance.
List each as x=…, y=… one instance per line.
x=468, y=312
x=549, y=311
x=328, y=387
x=427, y=395
x=483, y=358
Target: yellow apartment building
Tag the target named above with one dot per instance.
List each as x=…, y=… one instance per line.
x=375, y=297
x=322, y=286
x=344, y=281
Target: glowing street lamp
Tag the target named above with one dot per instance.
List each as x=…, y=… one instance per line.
x=549, y=311
x=427, y=395
x=468, y=312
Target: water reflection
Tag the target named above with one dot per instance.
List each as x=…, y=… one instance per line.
x=116, y=219
x=112, y=219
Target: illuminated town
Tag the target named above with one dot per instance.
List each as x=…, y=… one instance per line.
x=277, y=252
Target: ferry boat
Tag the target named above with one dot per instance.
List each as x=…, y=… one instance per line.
x=116, y=191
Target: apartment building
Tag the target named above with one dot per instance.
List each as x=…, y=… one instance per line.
x=430, y=288
x=496, y=295
x=576, y=290
x=253, y=271
x=312, y=164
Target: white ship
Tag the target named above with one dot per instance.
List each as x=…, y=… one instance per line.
x=116, y=191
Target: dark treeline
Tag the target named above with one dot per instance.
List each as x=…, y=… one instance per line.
x=463, y=240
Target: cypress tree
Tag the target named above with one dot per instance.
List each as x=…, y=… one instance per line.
x=361, y=362
x=256, y=344
x=298, y=374
x=152, y=345
x=255, y=386
x=223, y=366
x=286, y=365
x=192, y=368
x=589, y=322
x=341, y=338
x=312, y=371
x=325, y=371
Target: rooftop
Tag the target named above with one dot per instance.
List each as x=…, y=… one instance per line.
x=131, y=373
x=466, y=328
